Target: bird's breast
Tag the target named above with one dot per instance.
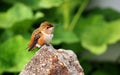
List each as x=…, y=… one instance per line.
x=47, y=37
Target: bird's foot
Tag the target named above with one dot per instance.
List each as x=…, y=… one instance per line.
x=47, y=44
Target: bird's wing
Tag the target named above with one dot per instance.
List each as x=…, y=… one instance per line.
x=37, y=36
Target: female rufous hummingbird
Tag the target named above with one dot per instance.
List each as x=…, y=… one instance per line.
x=42, y=35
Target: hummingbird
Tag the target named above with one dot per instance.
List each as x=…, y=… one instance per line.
x=42, y=35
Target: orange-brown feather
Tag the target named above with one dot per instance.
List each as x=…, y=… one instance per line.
x=41, y=40
x=31, y=42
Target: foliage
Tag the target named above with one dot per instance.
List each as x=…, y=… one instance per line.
x=75, y=29
x=12, y=60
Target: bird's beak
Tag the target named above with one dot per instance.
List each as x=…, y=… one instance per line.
x=51, y=28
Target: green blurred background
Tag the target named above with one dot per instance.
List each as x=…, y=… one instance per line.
x=93, y=34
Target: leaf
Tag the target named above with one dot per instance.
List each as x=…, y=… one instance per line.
x=38, y=15
x=24, y=25
x=95, y=34
x=4, y=21
x=50, y=3
x=6, y=35
x=106, y=13
x=64, y=36
x=36, y=4
x=13, y=54
x=14, y=14
x=18, y=13
x=114, y=30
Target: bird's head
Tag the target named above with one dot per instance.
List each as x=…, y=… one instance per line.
x=47, y=28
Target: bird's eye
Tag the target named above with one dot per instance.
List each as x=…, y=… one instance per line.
x=48, y=27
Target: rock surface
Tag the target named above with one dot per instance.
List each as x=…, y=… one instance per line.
x=50, y=61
